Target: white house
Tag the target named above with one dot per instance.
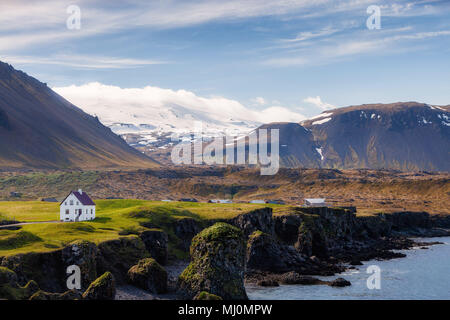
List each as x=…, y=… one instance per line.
x=258, y=201
x=220, y=201
x=77, y=206
x=315, y=202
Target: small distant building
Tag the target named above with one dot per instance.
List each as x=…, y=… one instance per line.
x=258, y=201
x=220, y=201
x=188, y=200
x=14, y=194
x=49, y=200
x=275, y=202
x=315, y=202
x=166, y=200
x=77, y=206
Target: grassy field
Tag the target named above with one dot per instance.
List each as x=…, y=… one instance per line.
x=113, y=218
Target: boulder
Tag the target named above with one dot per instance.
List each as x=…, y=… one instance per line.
x=46, y=268
x=148, y=275
x=68, y=295
x=11, y=290
x=268, y=283
x=118, y=256
x=296, y=278
x=103, y=288
x=339, y=282
x=264, y=253
x=206, y=296
x=7, y=276
x=156, y=242
x=217, y=264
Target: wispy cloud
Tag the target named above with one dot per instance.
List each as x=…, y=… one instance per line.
x=339, y=48
x=82, y=61
x=307, y=35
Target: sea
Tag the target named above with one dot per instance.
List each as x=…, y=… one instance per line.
x=422, y=274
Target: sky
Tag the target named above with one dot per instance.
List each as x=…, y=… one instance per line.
x=287, y=59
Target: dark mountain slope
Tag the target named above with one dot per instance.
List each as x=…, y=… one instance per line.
x=40, y=129
x=297, y=146
x=402, y=136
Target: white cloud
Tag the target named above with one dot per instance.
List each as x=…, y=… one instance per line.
x=166, y=107
x=317, y=101
x=307, y=35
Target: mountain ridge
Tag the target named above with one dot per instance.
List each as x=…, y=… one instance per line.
x=401, y=135
x=40, y=129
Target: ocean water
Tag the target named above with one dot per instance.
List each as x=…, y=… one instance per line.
x=423, y=274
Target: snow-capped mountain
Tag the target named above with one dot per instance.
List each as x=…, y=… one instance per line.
x=146, y=117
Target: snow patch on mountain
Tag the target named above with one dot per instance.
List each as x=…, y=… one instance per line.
x=319, y=151
x=322, y=121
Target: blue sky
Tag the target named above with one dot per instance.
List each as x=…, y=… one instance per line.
x=305, y=56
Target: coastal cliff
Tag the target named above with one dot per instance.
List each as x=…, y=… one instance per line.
x=287, y=244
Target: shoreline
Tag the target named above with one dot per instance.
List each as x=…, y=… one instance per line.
x=129, y=292
x=397, y=277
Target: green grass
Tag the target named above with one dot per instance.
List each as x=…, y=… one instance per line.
x=114, y=218
x=29, y=210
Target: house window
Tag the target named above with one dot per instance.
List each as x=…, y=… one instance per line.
x=77, y=203
x=67, y=211
x=92, y=211
x=71, y=202
x=65, y=203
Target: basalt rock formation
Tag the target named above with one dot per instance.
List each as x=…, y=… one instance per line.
x=148, y=275
x=217, y=264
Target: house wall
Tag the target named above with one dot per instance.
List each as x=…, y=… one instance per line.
x=76, y=205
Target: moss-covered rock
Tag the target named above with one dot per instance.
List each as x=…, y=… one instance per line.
x=11, y=290
x=82, y=253
x=68, y=295
x=265, y=253
x=46, y=268
x=103, y=288
x=217, y=264
x=259, y=219
x=148, y=275
x=7, y=276
x=118, y=256
x=206, y=296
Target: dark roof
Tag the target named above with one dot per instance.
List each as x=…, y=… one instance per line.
x=83, y=198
